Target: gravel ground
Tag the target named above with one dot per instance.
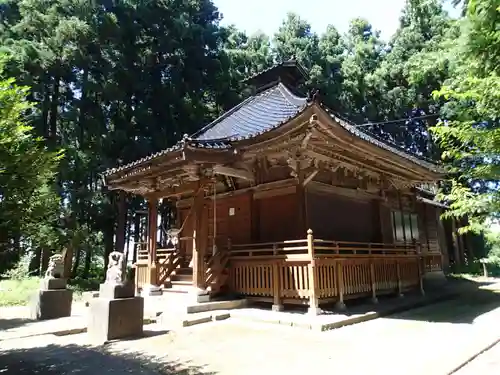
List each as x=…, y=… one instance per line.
x=430, y=340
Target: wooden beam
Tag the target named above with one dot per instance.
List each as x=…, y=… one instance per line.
x=153, y=224
x=199, y=244
x=266, y=188
x=310, y=177
x=234, y=172
x=320, y=187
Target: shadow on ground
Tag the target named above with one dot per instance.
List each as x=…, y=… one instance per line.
x=457, y=301
x=86, y=360
x=13, y=323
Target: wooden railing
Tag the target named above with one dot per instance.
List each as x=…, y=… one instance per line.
x=216, y=272
x=432, y=262
x=314, y=271
x=167, y=260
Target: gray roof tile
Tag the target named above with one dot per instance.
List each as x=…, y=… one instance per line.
x=255, y=115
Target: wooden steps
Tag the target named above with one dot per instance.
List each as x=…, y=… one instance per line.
x=181, y=281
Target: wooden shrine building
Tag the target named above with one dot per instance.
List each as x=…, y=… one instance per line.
x=280, y=200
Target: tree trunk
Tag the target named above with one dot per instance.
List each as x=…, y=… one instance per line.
x=36, y=262
x=46, y=253
x=54, y=107
x=88, y=263
x=137, y=228
x=76, y=264
x=122, y=222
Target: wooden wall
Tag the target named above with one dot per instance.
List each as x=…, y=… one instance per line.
x=277, y=218
x=334, y=217
x=248, y=217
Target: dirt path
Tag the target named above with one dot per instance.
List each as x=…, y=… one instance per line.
x=430, y=340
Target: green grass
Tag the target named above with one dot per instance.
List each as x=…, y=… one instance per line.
x=19, y=292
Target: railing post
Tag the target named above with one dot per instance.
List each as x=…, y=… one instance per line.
x=398, y=272
x=277, y=306
x=340, y=285
x=313, y=285
x=275, y=269
x=420, y=261
x=373, y=279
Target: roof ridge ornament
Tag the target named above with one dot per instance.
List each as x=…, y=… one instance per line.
x=313, y=96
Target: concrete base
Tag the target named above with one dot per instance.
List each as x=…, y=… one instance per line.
x=151, y=290
x=312, y=310
x=200, y=298
x=216, y=305
x=199, y=295
x=374, y=300
x=51, y=304
x=340, y=306
x=277, y=308
x=53, y=283
x=112, y=291
x=111, y=319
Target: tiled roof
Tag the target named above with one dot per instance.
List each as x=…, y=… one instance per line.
x=255, y=115
x=261, y=113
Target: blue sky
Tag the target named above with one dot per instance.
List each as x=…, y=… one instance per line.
x=267, y=15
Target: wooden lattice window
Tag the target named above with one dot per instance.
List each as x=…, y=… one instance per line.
x=404, y=226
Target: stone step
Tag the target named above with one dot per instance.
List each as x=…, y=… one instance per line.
x=179, y=287
x=182, y=277
x=184, y=271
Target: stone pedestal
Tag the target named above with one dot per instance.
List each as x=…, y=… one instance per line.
x=114, y=291
x=52, y=300
x=115, y=314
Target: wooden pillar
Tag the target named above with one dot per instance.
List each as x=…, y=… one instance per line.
x=311, y=271
x=400, y=283
x=301, y=205
x=152, y=233
x=441, y=234
x=199, y=244
x=339, y=280
x=122, y=222
x=420, y=269
x=373, y=281
x=277, y=264
x=456, y=246
x=462, y=244
x=255, y=218
x=381, y=217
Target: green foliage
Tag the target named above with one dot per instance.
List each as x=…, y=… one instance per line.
x=21, y=270
x=28, y=204
x=471, y=138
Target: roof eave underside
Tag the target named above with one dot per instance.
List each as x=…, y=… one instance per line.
x=392, y=151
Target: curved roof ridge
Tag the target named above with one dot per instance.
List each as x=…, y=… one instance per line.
x=290, y=97
x=221, y=117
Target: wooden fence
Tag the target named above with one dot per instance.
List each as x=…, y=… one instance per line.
x=314, y=271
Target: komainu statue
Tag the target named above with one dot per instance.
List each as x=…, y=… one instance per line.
x=55, y=270
x=115, y=273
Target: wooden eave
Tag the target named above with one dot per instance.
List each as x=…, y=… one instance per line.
x=363, y=149
x=172, y=168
